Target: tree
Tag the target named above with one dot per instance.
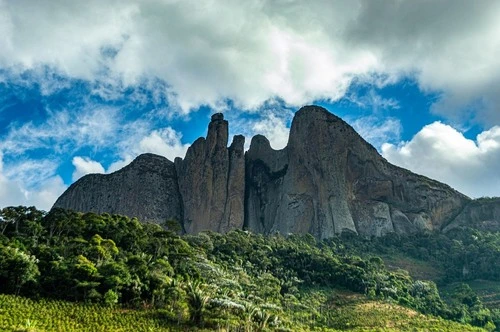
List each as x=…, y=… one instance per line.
x=17, y=268
x=18, y=215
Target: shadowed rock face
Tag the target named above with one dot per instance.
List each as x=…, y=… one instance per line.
x=146, y=189
x=327, y=180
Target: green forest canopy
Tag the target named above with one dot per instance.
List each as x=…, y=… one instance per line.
x=238, y=278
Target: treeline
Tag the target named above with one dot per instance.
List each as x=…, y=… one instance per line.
x=236, y=279
x=463, y=253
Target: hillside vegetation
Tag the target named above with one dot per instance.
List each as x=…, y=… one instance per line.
x=117, y=271
x=19, y=314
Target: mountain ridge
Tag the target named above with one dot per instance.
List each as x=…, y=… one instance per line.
x=327, y=179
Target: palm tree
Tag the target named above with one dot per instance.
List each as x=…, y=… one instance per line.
x=197, y=300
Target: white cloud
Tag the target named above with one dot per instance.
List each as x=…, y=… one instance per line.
x=441, y=152
x=44, y=196
x=377, y=130
x=63, y=130
x=275, y=129
x=374, y=101
x=13, y=190
x=84, y=166
x=252, y=51
x=165, y=142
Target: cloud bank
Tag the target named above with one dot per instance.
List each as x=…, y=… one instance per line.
x=168, y=57
x=252, y=51
x=443, y=153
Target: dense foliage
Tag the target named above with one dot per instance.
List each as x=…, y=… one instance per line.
x=463, y=253
x=234, y=280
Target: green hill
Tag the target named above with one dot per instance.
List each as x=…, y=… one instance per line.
x=72, y=271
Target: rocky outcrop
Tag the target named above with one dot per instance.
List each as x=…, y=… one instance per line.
x=328, y=179
x=146, y=189
x=212, y=181
x=482, y=213
x=325, y=181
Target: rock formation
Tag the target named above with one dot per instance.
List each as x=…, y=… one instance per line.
x=146, y=189
x=325, y=181
x=328, y=179
x=482, y=213
x=211, y=181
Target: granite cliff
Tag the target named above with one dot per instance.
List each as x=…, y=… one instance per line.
x=325, y=181
x=147, y=189
x=212, y=181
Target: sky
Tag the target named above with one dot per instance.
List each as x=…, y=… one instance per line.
x=86, y=86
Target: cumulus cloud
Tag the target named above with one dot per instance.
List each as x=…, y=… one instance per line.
x=85, y=165
x=165, y=142
x=45, y=194
x=443, y=153
x=275, y=129
x=252, y=51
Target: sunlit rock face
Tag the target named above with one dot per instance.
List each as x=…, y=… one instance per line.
x=328, y=180
x=325, y=181
x=212, y=181
x=482, y=213
x=147, y=189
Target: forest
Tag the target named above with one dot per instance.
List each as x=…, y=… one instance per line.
x=238, y=281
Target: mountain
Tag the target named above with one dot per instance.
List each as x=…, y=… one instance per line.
x=326, y=180
x=147, y=189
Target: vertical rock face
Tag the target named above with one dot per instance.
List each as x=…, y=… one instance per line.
x=328, y=179
x=265, y=171
x=211, y=181
x=146, y=189
x=303, y=187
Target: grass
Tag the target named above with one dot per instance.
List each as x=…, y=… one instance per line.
x=346, y=311
x=377, y=316
x=22, y=314
x=418, y=269
x=337, y=311
x=488, y=291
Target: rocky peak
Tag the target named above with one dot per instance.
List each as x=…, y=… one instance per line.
x=217, y=117
x=332, y=180
x=211, y=180
x=326, y=180
x=260, y=148
x=315, y=123
x=217, y=137
x=238, y=144
x=146, y=188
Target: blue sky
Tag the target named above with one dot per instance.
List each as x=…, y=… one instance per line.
x=86, y=86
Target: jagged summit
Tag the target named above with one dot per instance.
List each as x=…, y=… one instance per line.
x=217, y=117
x=326, y=180
x=211, y=180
